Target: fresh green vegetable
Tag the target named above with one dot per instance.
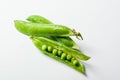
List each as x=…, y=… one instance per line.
x=63, y=40
x=75, y=62
x=50, y=49
x=38, y=41
x=59, y=52
x=38, y=19
x=36, y=29
x=44, y=47
x=69, y=57
x=63, y=56
x=67, y=41
x=53, y=40
x=62, y=48
x=55, y=51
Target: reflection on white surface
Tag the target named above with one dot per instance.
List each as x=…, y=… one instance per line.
x=98, y=21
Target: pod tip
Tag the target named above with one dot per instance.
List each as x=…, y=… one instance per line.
x=77, y=34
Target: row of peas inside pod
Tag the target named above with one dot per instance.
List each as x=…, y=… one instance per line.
x=60, y=54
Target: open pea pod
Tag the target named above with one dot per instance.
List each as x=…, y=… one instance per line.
x=59, y=53
x=36, y=29
x=72, y=52
x=64, y=40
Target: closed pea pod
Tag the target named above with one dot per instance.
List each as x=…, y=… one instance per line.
x=36, y=29
x=63, y=40
x=38, y=19
x=67, y=41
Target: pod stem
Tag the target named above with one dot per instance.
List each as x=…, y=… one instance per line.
x=31, y=37
x=77, y=34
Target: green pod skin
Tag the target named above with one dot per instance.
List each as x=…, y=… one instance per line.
x=38, y=43
x=67, y=41
x=38, y=19
x=63, y=40
x=62, y=47
x=36, y=29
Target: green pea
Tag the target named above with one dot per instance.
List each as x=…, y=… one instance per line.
x=59, y=52
x=49, y=48
x=73, y=59
x=44, y=47
x=69, y=57
x=68, y=50
x=75, y=62
x=55, y=51
x=63, y=56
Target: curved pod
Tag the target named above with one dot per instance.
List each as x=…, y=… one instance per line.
x=72, y=52
x=36, y=29
x=73, y=64
x=63, y=40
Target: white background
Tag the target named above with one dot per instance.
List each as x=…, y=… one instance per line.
x=97, y=20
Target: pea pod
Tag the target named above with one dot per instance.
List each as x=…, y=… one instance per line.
x=43, y=46
x=67, y=41
x=38, y=19
x=36, y=29
x=70, y=51
x=63, y=40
